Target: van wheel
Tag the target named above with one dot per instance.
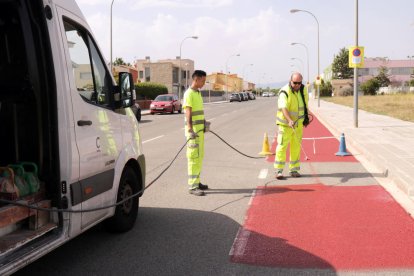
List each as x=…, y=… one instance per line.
x=138, y=115
x=127, y=212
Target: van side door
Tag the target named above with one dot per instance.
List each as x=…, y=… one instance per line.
x=98, y=128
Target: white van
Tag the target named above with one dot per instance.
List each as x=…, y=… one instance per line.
x=67, y=133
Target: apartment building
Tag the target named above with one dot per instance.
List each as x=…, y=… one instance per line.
x=228, y=83
x=166, y=72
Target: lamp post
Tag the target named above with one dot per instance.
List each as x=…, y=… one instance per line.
x=179, y=68
x=227, y=87
x=307, y=55
x=301, y=62
x=317, y=23
x=356, y=70
x=244, y=67
x=110, y=28
x=209, y=89
x=260, y=82
x=186, y=75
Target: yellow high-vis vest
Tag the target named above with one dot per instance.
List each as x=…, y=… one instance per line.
x=293, y=102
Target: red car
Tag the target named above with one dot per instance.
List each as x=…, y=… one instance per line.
x=165, y=103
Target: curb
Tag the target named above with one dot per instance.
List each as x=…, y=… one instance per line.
x=369, y=159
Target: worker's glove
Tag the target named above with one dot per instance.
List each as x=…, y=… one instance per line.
x=192, y=134
x=306, y=121
x=207, y=126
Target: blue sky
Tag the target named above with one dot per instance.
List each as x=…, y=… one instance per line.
x=261, y=31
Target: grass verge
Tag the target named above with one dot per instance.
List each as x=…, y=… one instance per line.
x=400, y=106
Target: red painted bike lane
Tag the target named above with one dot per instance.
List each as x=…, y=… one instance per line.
x=318, y=226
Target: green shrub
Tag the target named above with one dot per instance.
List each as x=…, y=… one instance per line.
x=370, y=87
x=325, y=89
x=149, y=90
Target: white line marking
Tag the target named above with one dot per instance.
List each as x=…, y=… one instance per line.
x=149, y=140
x=263, y=173
x=242, y=237
x=240, y=243
x=251, y=199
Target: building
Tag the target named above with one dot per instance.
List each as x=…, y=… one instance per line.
x=125, y=68
x=166, y=72
x=228, y=83
x=400, y=71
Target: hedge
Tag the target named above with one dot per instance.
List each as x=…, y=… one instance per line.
x=149, y=90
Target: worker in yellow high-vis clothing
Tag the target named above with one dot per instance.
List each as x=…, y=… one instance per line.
x=292, y=102
x=195, y=126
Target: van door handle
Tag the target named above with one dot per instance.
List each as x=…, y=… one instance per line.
x=84, y=123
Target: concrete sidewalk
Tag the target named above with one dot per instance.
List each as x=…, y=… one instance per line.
x=381, y=142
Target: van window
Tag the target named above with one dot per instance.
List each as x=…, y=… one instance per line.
x=91, y=77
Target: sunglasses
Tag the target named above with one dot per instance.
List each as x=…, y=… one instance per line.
x=296, y=82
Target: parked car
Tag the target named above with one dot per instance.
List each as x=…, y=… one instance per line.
x=235, y=97
x=251, y=96
x=244, y=96
x=265, y=94
x=165, y=103
x=137, y=111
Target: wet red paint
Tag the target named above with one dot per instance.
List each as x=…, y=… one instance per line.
x=318, y=226
x=316, y=146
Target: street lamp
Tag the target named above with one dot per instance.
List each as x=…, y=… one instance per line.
x=301, y=62
x=209, y=89
x=244, y=67
x=111, y=35
x=317, y=23
x=186, y=75
x=227, y=87
x=307, y=54
x=179, y=69
x=297, y=69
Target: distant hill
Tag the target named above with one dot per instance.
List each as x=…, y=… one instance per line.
x=273, y=84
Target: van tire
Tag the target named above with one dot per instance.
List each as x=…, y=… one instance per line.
x=126, y=213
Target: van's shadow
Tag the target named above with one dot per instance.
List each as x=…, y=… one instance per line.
x=176, y=242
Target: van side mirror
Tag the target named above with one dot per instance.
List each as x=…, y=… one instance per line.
x=125, y=95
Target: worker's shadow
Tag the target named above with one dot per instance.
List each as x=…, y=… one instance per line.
x=345, y=177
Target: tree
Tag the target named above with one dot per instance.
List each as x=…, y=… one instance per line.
x=383, y=77
x=370, y=87
x=119, y=61
x=325, y=89
x=340, y=65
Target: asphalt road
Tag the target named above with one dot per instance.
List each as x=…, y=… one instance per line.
x=181, y=234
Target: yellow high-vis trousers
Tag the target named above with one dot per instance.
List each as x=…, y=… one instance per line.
x=195, y=155
x=285, y=137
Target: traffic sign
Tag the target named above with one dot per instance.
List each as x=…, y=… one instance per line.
x=356, y=57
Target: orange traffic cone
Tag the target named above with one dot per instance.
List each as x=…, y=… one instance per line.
x=265, y=147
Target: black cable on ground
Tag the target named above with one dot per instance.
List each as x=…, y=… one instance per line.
x=224, y=141
x=55, y=210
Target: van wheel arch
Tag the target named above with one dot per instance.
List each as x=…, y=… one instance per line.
x=126, y=213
